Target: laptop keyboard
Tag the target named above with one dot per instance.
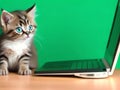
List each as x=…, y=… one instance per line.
x=73, y=65
x=90, y=64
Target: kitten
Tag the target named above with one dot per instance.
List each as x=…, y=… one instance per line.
x=16, y=49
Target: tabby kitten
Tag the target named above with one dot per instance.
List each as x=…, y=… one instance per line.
x=16, y=48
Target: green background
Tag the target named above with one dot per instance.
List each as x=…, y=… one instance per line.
x=69, y=29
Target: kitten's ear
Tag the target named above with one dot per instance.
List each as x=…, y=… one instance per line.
x=6, y=17
x=31, y=11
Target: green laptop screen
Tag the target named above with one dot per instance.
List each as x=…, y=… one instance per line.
x=114, y=38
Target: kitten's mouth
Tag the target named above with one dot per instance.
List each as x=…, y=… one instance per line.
x=28, y=36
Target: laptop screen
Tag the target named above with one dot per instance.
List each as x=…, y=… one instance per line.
x=111, y=51
x=113, y=39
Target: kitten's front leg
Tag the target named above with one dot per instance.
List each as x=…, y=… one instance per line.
x=24, y=65
x=3, y=66
x=24, y=69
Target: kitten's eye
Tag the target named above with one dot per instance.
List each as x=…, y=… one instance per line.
x=30, y=27
x=19, y=30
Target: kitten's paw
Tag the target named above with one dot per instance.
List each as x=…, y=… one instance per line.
x=3, y=71
x=23, y=71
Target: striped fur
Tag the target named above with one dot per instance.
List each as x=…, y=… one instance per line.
x=16, y=42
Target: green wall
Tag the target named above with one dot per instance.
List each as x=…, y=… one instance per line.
x=69, y=29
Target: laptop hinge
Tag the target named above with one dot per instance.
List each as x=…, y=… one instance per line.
x=106, y=65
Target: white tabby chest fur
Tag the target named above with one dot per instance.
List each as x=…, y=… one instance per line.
x=17, y=46
x=14, y=49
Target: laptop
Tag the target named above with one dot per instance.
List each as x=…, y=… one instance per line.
x=88, y=68
x=95, y=68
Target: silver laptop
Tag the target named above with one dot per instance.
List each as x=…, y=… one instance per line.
x=95, y=68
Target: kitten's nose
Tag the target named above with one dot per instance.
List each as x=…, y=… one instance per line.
x=27, y=33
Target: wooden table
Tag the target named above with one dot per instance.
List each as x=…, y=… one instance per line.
x=18, y=82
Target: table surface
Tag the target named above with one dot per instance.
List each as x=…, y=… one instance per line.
x=19, y=82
